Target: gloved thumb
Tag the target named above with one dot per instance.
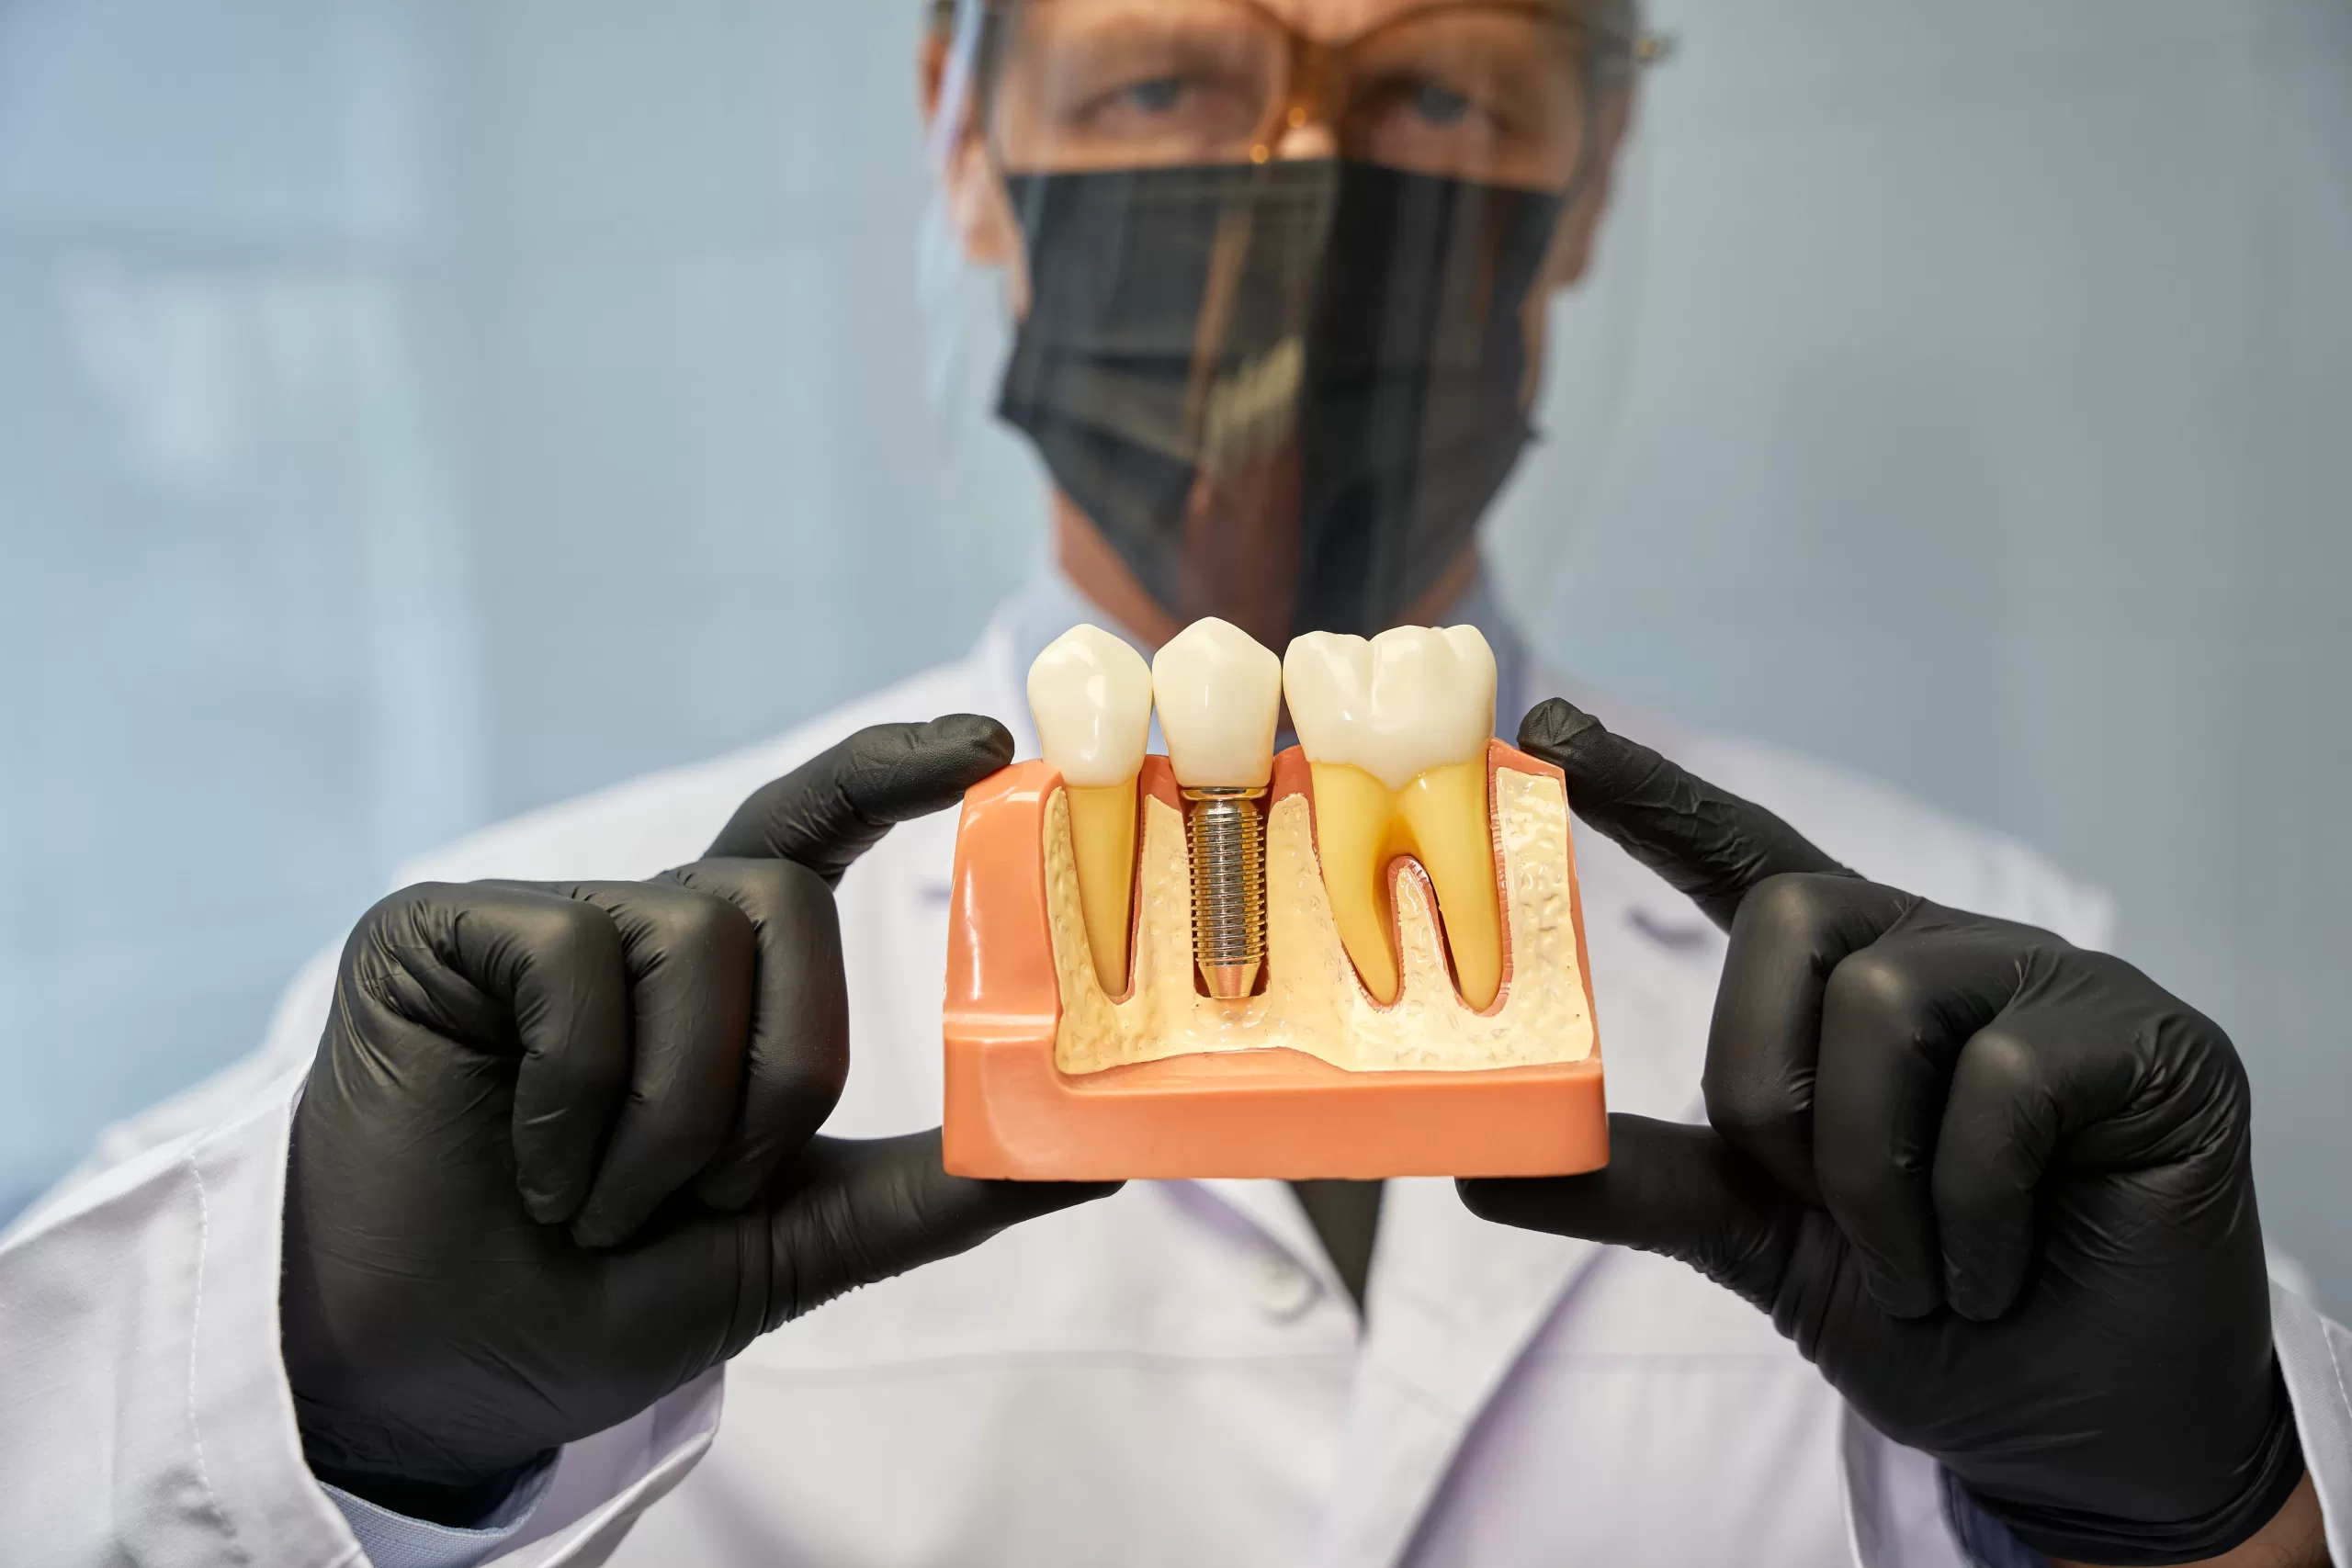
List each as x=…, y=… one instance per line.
x=847, y=1213
x=855, y=1211
x=1678, y=1190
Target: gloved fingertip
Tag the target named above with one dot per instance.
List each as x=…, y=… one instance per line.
x=1017, y=1201
x=593, y=1236
x=1975, y=1296
x=1976, y=1308
x=1502, y=1201
x=600, y=1227
x=730, y=1190
x=1899, y=1298
x=989, y=741
x=1551, y=725
x=546, y=1207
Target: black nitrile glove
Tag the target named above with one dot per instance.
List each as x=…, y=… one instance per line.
x=557, y=1156
x=1997, y=1187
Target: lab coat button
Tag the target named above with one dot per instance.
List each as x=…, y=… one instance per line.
x=1285, y=1290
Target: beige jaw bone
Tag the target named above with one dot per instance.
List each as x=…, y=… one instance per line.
x=1312, y=1001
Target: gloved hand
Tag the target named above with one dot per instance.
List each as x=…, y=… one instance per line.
x=1997, y=1188
x=557, y=1155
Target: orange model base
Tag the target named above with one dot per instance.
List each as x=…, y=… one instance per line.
x=1274, y=1112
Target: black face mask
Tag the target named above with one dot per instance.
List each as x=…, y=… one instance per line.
x=1289, y=387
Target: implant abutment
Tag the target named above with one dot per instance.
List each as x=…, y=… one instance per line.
x=1227, y=836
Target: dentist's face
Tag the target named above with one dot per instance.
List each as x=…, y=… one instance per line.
x=1280, y=269
x=1446, y=86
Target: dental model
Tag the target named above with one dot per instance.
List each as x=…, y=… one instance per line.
x=1090, y=694
x=1364, y=957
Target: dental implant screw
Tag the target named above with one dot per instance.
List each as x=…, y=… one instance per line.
x=1228, y=888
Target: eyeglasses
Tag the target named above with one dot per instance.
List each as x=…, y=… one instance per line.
x=1502, y=92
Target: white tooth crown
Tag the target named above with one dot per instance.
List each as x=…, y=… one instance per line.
x=1219, y=692
x=1090, y=694
x=1405, y=702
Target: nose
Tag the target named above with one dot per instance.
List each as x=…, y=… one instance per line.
x=1306, y=138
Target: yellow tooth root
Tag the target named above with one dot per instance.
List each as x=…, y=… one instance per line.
x=1447, y=810
x=1103, y=839
x=1439, y=818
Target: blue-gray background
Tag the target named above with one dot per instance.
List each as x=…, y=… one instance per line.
x=413, y=412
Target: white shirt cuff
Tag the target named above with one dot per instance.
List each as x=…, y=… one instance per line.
x=396, y=1540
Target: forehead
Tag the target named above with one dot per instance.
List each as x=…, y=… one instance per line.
x=1336, y=19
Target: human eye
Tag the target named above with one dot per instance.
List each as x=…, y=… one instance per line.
x=1201, y=106
x=1159, y=92
x=1420, y=105
x=1439, y=105
x=1155, y=96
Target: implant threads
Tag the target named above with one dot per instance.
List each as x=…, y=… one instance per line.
x=1229, y=889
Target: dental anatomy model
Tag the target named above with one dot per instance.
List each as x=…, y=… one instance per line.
x=1361, y=958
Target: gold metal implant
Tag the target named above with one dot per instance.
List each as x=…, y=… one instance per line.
x=1228, y=841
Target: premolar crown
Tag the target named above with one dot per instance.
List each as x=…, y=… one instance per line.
x=1220, y=692
x=1395, y=729
x=1090, y=694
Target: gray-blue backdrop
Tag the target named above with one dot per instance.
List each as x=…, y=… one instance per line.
x=413, y=412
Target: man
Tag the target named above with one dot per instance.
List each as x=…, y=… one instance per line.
x=450, y=1269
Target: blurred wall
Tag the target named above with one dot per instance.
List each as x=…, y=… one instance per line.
x=1991, y=430
x=412, y=413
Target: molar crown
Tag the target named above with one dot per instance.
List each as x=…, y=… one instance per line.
x=1396, y=705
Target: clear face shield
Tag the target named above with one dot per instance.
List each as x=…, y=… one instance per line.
x=1279, y=274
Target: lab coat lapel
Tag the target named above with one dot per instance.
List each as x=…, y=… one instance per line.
x=1455, y=1302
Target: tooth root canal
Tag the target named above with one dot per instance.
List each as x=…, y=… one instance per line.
x=1440, y=819
x=1103, y=839
x=1395, y=731
x=1090, y=694
x=1220, y=693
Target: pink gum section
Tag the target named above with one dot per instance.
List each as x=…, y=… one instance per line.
x=1275, y=1113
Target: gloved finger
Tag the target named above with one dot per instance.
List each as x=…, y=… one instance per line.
x=1894, y=1017
x=690, y=959
x=1668, y=1189
x=835, y=806
x=1708, y=844
x=514, y=971
x=2063, y=1074
x=853, y=1212
x=1764, y=1044
x=798, y=1057
x=2000, y=1129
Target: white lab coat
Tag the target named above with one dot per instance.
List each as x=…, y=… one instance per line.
x=1172, y=1376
